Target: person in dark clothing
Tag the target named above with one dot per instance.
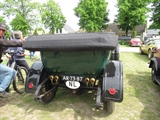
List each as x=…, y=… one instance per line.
x=19, y=57
x=7, y=74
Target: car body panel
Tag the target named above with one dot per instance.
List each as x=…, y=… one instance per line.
x=135, y=42
x=153, y=45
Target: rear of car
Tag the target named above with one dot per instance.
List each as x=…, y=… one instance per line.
x=81, y=61
x=135, y=42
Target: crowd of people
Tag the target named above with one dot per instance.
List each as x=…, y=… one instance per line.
x=7, y=74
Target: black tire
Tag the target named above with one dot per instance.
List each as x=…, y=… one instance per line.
x=109, y=106
x=44, y=87
x=153, y=74
x=150, y=54
x=20, y=79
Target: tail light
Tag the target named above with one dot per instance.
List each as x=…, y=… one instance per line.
x=112, y=91
x=30, y=85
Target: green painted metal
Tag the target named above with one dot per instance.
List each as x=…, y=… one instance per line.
x=75, y=63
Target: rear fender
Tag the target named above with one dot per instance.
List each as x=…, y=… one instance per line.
x=33, y=77
x=113, y=79
x=156, y=62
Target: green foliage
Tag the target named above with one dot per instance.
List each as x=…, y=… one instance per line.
x=153, y=26
x=134, y=33
x=40, y=29
x=123, y=42
x=2, y=19
x=52, y=16
x=20, y=23
x=93, y=15
x=156, y=14
x=131, y=14
x=23, y=13
x=35, y=32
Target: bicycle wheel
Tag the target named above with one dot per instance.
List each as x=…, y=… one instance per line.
x=19, y=81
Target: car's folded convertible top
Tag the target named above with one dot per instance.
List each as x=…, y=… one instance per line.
x=74, y=41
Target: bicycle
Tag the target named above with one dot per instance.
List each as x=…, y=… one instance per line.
x=19, y=80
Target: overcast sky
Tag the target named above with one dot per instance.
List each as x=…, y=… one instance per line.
x=67, y=7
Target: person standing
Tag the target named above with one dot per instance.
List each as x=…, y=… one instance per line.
x=7, y=74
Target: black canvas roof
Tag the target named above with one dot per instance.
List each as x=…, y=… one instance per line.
x=74, y=41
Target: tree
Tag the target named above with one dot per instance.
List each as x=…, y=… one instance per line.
x=52, y=16
x=20, y=23
x=131, y=14
x=156, y=14
x=35, y=32
x=123, y=16
x=153, y=26
x=22, y=12
x=93, y=15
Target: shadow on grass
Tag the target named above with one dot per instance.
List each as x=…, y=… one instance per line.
x=64, y=102
x=148, y=94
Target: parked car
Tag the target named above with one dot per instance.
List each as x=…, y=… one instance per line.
x=155, y=70
x=155, y=65
x=135, y=42
x=148, y=40
x=147, y=37
x=151, y=48
x=78, y=62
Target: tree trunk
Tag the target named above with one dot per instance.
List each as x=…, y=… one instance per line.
x=134, y=33
x=126, y=31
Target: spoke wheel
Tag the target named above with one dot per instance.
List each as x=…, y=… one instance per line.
x=20, y=79
x=46, y=91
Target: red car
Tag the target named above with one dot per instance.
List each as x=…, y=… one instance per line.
x=135, y=42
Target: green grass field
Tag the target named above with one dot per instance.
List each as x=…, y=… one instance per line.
x=141, y=99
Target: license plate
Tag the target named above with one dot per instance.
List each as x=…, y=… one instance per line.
x=72, y=78
x=73, y=84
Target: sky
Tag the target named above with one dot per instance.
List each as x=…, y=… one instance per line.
x=67, y=7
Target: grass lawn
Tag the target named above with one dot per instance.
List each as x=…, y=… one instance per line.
x=141, y=99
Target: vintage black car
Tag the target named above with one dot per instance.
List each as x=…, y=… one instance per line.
x=155, y=70
x=77, y=61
